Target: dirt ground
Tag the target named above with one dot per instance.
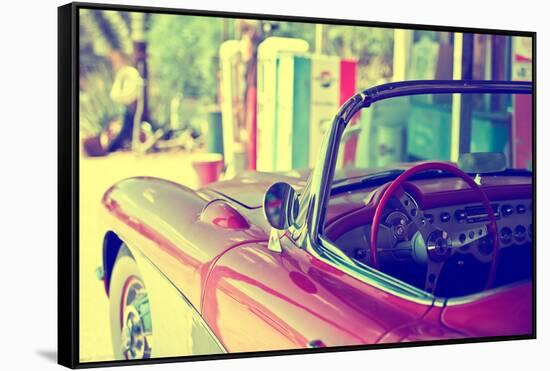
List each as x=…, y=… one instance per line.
x=96, y=175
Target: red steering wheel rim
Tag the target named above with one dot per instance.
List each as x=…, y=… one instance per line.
x=443, y=166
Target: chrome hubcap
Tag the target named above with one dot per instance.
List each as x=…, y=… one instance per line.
x=136, y=327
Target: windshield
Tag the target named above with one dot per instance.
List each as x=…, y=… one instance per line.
x=436, y=127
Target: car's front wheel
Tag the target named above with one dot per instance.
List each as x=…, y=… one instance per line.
x=131, y=321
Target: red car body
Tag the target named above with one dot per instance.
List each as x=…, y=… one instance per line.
x=213, y=248
x=211, y=245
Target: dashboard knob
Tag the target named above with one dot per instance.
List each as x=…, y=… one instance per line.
x=445, y=217
x=360, y=253
x=520, y=209
x=506, y=210
x=460, y=215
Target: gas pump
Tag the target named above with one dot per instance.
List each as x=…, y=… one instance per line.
x=272, y=77
x=232, y=100
x=298, y=93
x=521, y=138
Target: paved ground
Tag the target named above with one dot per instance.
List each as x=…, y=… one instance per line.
x=96, y=175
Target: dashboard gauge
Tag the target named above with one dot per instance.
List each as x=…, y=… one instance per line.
x=485, y=245
x=506, y=235
x=397, y=222
x=520, y=233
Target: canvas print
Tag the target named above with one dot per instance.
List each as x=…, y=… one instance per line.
x=260, y=185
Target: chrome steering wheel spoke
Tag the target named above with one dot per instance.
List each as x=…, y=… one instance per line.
x=386, y=239
x=465, y=241
x=432, y=275
x=467, y=236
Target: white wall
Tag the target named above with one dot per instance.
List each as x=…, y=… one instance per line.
x=28, y=180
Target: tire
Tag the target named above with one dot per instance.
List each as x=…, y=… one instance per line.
x=129, y=306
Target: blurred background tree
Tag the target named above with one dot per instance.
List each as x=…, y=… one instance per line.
x=373, y=48
x=304, y=31
x=182, y=59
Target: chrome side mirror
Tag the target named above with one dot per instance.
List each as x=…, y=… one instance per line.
x=281, y=205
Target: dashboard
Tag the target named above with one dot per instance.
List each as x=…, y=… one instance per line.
x=513, y=217
x=440, y=224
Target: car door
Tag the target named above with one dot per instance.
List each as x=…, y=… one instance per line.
x=256, y=299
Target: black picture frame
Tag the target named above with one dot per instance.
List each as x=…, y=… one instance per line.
x=68, y=180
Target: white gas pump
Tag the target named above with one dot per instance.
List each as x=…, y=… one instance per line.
x=232, y=92
x=270, y=81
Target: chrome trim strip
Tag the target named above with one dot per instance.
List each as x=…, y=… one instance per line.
x=480, y=295
x=371, y=276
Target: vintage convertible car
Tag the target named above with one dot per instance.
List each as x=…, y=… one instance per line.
x=335, y=256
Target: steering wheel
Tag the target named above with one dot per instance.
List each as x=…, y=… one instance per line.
x=440, y=245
